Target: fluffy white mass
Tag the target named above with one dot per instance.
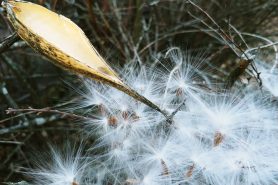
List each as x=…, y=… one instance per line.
x=217, y=136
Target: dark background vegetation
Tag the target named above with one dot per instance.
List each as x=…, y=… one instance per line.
x=122, y=31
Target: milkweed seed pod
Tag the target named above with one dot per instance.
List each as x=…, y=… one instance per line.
x=61, y=40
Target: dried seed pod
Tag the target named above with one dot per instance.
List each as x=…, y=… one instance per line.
x=61, y=40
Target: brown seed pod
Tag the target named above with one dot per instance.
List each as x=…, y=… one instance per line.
x=62, y=41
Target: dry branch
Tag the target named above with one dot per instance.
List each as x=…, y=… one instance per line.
x=8, y=42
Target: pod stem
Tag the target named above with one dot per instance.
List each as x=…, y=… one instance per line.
x=134, y=94
x=146, y=101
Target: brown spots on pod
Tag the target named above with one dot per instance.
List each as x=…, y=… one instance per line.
x=54, y=54
x=42, y=46
x=28, y=34
x=38, y=40
x=50, y=49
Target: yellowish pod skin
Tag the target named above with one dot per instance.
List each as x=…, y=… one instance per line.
x=90, y=63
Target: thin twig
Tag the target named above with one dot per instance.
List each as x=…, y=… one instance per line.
x=177, y=109
x=26, y=124
x=47, y=110
x=8, y=42
x=229, y=40
x=38, y=121
x=11, y=142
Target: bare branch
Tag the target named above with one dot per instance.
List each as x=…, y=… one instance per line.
x=47, y=110
x=230, y=42
x=8, y=42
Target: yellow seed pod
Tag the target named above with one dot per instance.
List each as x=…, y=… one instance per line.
x=58, y=38
x=61, y=40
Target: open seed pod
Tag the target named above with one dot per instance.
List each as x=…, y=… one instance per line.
x=61, y=40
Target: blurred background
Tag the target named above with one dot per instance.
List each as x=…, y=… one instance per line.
x=122, y=31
